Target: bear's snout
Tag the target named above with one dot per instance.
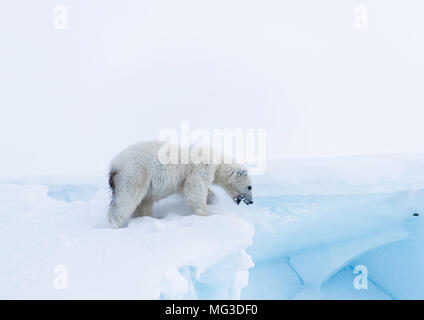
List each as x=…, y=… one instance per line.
x=246, y=199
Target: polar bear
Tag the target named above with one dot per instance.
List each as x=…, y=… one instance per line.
x=138, y=179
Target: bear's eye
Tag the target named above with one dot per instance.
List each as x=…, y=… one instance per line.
x=249, y=188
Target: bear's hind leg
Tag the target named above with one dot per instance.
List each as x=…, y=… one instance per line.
x=145, y=208
x=128, y=194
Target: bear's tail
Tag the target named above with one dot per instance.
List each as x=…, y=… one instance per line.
x=112, y=175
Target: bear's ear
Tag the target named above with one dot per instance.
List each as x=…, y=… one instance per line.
x=242, y=172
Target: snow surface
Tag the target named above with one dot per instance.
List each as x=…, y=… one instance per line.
x=312, y=223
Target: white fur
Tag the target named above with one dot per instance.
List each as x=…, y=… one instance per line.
x=139, y=179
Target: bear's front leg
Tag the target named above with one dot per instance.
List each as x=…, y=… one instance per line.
x=195, y=193
x=211, y=198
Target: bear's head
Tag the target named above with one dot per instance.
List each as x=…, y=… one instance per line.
x=236, y=181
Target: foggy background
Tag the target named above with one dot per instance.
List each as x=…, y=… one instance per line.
x=124, y=70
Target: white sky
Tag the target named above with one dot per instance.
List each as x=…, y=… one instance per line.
x=70, y=100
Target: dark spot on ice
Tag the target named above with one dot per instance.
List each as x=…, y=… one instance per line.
x=415, y=214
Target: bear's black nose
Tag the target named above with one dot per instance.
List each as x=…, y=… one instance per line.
x=251, y=202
